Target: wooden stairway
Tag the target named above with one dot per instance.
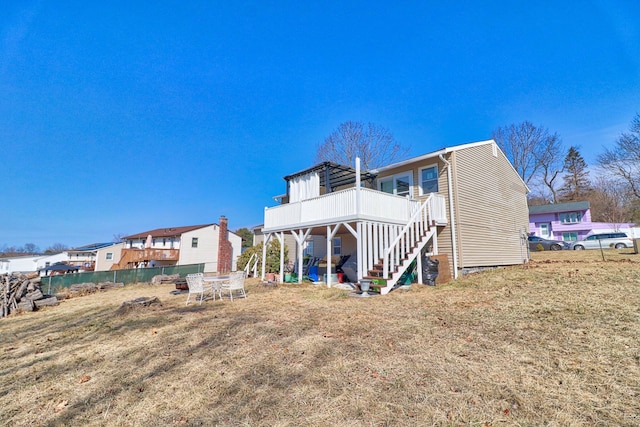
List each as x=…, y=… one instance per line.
x=376, y=274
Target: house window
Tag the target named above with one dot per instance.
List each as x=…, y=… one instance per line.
x=308, y=248
x=570, y=217
x=399, y=185
x=337, y=246
x=570, y=237
x=545, y=230
x=109, y=256
x=387, y=186
x=47, y=264
x=429, y=180
x=194, y=242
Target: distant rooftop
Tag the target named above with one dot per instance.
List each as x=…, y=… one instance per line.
x=166, y=232
x=91, y=247
x=559, y=207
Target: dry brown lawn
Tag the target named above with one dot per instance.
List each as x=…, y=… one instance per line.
x=556, y=343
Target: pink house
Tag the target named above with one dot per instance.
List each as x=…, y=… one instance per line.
x=569, y=222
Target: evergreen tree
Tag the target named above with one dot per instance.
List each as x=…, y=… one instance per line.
x=247, y=237
x=576, y=185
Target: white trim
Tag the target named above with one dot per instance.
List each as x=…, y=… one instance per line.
x=420, y=189
x=452, y=217
x=447, y=150
x=393, y=179
x=433, y=155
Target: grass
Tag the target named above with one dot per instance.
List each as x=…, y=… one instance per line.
x=552, y=343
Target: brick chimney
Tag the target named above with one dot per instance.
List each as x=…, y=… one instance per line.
x=224, y=247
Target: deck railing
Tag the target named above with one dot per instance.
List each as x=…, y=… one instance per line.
x=341, y=206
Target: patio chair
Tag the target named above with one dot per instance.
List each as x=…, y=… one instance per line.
x=196, y=286
x=235, y=284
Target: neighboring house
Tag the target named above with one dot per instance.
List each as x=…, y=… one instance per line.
x=570, y=222
x=30, y=263
x=465, y=203
x=85, y=256
x=107, y=256
x=209, y=244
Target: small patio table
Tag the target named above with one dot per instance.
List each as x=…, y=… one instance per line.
x=216, y=284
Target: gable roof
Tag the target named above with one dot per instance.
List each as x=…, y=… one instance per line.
x=167, y=232
x=447, y=150
x=559, y=207
x=432, y=154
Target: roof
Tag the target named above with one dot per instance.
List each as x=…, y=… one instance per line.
x=61, y=267
x=167, y=232
x=559, y=207
x=432, y=154
x=339, y=175
x=447, y=150
x=91, y=247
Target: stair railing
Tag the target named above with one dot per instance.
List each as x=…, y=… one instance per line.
x=406, y=240
x=251, y=267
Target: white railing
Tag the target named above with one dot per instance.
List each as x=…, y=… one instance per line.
x=252, y=265
x=437, y=208
x=408, y=237
x=343, y=206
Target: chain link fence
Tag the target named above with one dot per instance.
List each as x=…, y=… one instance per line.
x=136, y=275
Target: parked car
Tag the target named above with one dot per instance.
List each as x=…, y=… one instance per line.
x=604, y=240
x=547, y=245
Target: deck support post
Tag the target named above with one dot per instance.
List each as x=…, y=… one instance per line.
x=301, y=237
x=280, y=237
x=330, y=235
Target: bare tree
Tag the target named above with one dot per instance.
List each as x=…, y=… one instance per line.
x=609, y=201
x=549, y=158
x=31, y=248
x=374, y=145
x=56, y=248
x=623, y=160
x=531, y=149
x=119, y=237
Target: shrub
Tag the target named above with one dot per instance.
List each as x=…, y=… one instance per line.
x=273, y=256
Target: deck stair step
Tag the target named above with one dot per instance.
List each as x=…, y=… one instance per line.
x=377, y=272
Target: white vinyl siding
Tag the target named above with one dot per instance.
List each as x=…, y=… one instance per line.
x=491, y=208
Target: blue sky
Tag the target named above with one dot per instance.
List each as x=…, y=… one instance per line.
x=124, y=116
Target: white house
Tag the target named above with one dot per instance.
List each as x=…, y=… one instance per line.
x=210, y=244
x=30, y=263
x=86, y=256
x=465, y=204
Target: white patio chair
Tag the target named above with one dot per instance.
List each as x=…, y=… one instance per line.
x=196, y=286
x=235, y=284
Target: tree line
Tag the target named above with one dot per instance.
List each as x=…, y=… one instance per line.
x=31, y=249
x=553, y=172
x=556, y=174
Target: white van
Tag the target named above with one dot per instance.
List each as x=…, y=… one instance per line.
x=604, y=240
